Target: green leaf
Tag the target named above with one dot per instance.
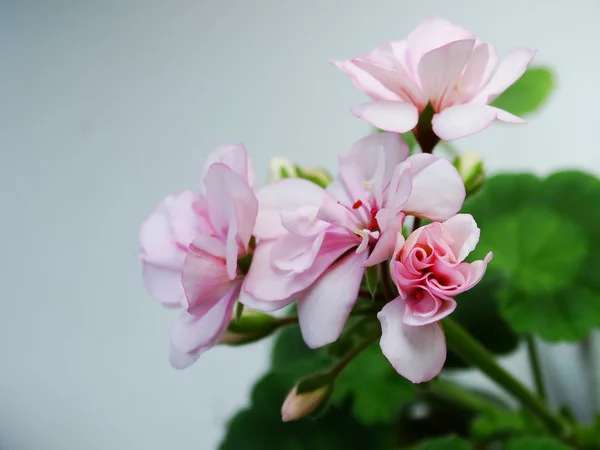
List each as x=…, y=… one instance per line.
x=537, y=248
x=294, y=358
x=478, y=312
x=528, y=93
x=535, y=443
x=376, y=390
x=498, y=424
x=372, y=278
x=259, y=427
x=546, y=243
x=445, y=443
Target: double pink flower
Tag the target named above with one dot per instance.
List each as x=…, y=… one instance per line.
x=315, y=243
x=440, y=64
x=196, y=249
x=429, y=271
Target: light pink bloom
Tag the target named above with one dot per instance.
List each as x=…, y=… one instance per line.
x=441, y=64
x=191, y=244
x=317, y=242
x=428, y=270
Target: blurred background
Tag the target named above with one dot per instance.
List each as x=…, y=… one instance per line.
x=108, y=106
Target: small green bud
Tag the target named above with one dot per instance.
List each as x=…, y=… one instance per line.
x=281, y=168
x=249, y=327
x=471, y=170
x=309, y=396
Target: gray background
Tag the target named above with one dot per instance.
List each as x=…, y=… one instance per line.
x=106, y=107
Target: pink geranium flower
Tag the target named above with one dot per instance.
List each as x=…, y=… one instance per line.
x=196, y=248
x=428, y=270
x=317, y=242
x=438, y=64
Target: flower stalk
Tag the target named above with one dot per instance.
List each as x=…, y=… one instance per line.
x=465, y=346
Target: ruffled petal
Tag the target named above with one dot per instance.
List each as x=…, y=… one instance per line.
x=464, y=235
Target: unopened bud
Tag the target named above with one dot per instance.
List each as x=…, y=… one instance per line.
x=317, y=176
x=471, y=170
x=250, y=327
x=309, y=396
x=281, y=168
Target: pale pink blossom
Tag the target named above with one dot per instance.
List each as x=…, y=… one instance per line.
x=315, y=243
x=192, y=246
x=428, y=270
x=440, y=64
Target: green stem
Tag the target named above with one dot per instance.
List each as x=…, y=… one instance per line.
x=388, y=288
x=450, y=390
x=290, y=320
x=349, y=357
x=465, y=346
x=534, y=363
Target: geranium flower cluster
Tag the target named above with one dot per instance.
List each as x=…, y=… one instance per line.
x=296, y=240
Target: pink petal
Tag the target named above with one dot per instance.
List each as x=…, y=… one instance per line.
x=417, y=353
x=196, y=333
x=395, y=78
x=326, y=305
x=400, y=187
x=296, y=254
x=334, y=213
x=438, y=190
x=262, y=305
x=510, y=69
x=303, y=221
x=387, y=242
x=268, y=283
x=507, y=117
x=462, y=120
x=441, y=68
x=233, y=156
x=464, y=233
x=399, y=117
x=285, y=195
x=369, y=164
x=169, y=228
x=430, y=34
x=426, y=310
x=364, y=81
x=164, y=285
x=477, y=73
x=231, y=202
x=477, y=271
x=205, y=278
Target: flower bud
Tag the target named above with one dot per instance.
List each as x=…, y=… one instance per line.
x=250, y=327
x=471, y=170
x=311, y=395
x=281, y=168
